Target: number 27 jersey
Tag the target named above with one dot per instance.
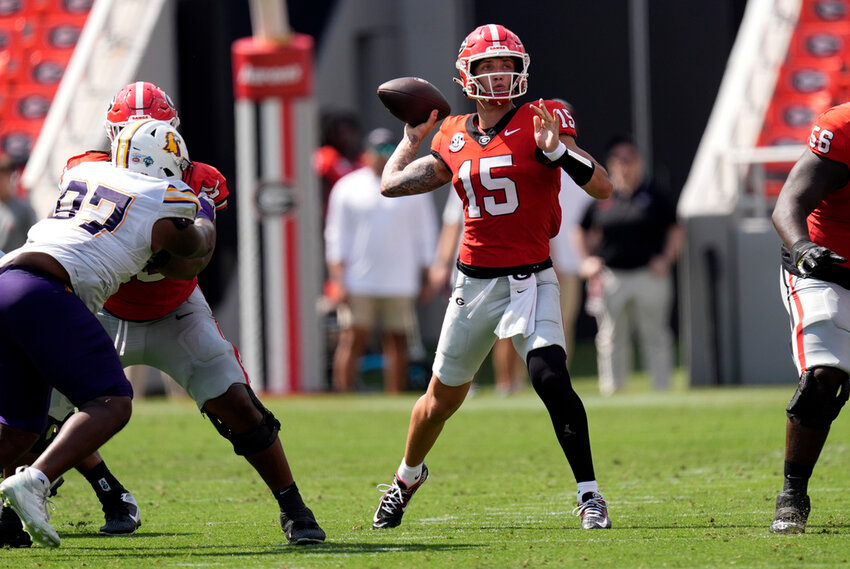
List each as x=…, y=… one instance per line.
x=100, y=230
x=510, y=198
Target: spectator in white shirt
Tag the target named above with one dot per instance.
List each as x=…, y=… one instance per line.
x=377, y=250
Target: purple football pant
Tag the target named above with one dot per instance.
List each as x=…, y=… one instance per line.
x=49, y=339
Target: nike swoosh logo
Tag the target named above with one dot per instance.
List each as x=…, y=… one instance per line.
x=523, y=290
x=179, y=316
x=510, y=132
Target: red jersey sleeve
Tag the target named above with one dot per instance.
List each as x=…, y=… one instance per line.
x=451, y=129
x=87, y=156
x=566, y=122
x=830, y=136
x=205, y=178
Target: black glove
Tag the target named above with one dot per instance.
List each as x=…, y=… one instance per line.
x=810, y=258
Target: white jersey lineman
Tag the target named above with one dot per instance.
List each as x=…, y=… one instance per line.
x=100, y=230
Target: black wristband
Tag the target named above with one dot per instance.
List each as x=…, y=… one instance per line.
x=579, y=168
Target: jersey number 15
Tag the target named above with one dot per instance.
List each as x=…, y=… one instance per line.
x=509, y=201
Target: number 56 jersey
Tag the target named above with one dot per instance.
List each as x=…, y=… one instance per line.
x=100, y=230
x=829, y=222
x=510, y=197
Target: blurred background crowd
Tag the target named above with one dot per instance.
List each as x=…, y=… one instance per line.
x=645, y=80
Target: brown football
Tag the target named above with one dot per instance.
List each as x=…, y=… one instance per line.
x=411, y=100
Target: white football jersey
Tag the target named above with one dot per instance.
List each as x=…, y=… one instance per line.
x=100, y=230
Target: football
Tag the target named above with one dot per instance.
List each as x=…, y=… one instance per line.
x=411, y=100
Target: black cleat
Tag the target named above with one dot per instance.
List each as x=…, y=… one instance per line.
x=792, y=513
x=300, y=527
x=12, y=532
x=122, y=517
x=54, y=488
x=395, y=500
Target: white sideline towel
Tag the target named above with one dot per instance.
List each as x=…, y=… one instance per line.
x=520, y=314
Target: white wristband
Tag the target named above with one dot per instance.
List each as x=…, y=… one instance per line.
x=559, y=151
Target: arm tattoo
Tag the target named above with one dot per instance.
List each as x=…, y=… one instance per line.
x=404, y=155
x=405, y=176
x=418, y=178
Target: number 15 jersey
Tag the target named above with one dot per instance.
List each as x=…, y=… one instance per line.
x=510, y=198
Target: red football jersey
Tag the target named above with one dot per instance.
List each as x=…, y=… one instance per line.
x=330, y=164
x=829, y=223
x=510, y=199
x=89, y=156
x=148, y=296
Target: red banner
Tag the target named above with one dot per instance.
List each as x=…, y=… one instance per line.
x=263, y=69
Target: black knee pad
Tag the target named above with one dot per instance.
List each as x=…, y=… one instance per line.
x=257, y=439
x=817, y=403
x=547, y=368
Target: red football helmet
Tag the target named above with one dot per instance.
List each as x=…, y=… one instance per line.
x=492, y=40
x=139, y=100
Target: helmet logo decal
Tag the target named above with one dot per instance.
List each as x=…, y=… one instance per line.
x=151, y=147
x=171, y=144
x=457, y=142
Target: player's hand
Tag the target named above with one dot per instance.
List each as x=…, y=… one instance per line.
x=417, y=133
x=207, y=210
x=206, y=179
x=810, y=258
x=545, y=128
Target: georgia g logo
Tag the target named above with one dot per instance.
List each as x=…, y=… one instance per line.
x=171, y=144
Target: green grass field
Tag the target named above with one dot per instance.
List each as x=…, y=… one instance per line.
x=690, y=476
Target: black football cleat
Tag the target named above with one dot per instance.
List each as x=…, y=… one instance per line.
x=122, y=516
x=792, y=513
x=395, y=500
x=300, y=527
x=12, y=532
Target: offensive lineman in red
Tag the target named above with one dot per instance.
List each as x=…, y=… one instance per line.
x=166, y=323
x=504, y=163
x=812, y=216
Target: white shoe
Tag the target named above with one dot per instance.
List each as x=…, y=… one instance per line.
x=593, y=511
x=27, y=496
